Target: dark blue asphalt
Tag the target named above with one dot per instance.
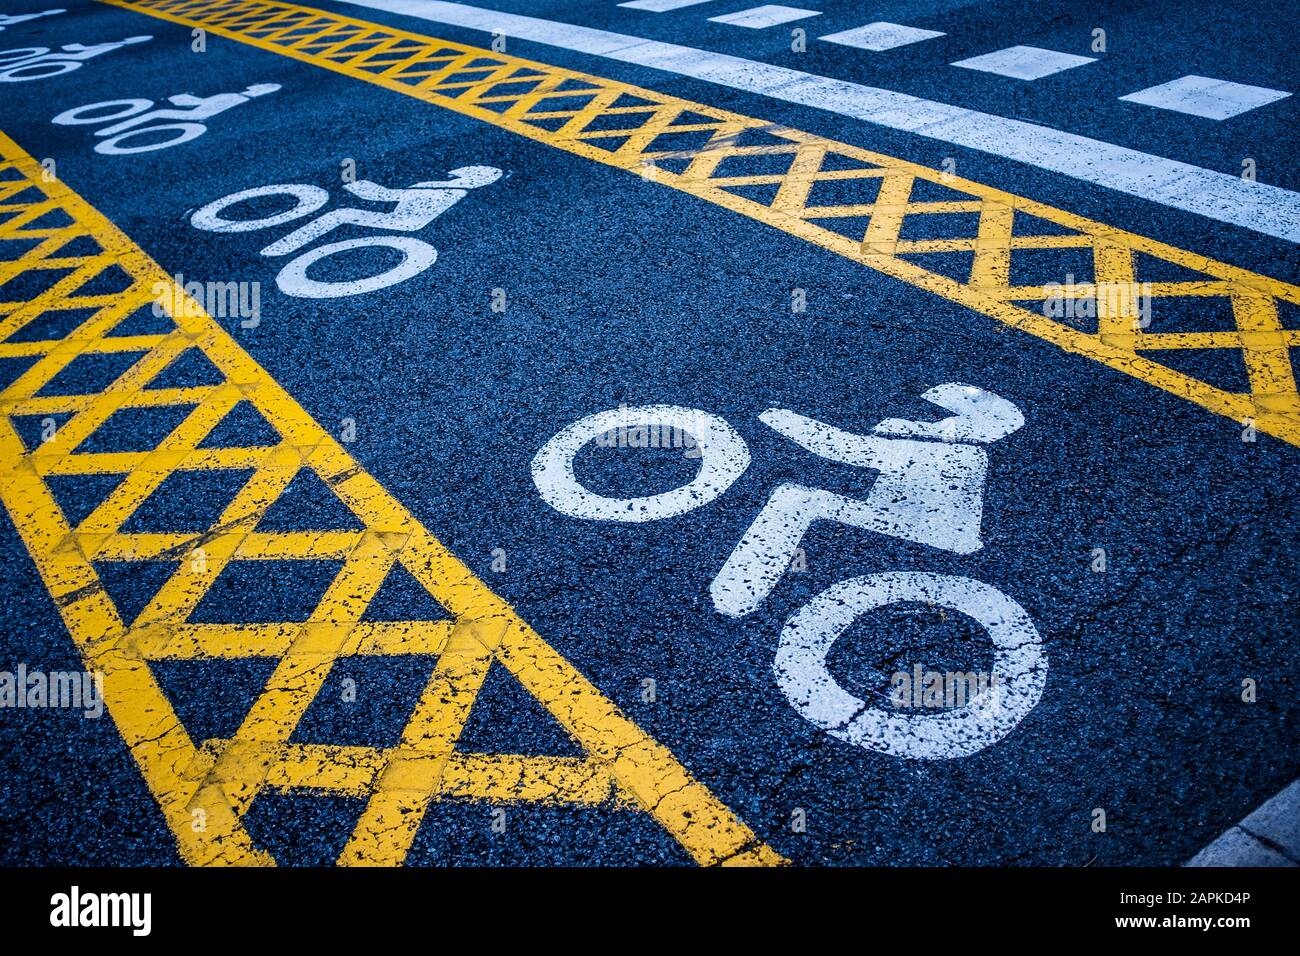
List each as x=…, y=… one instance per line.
x=623, y=291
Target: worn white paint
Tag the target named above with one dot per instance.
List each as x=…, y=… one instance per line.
x=978, y=416
x=89, y=115
x=188, y=111
x=309, y=199
x=12, y=19
x=416, y=257
x=413, y=208
x=880, y=36
x=1024, y=62
x=146, y=139
x=722, y=453
x=1206, y=97
x=768, y=15
x=131, y=128
x=661, y=6
x=930, y=489
x=40, y=63
x=1019, y=663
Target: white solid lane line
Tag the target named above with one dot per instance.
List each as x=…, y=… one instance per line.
x=1259, y=207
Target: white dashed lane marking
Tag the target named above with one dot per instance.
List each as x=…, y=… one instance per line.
x=1224, y=197
x=768, y=15
x=1206, y=97
x=880, y=36
x=662, y=6
x=1024, y=62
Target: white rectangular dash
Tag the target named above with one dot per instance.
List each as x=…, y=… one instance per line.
x=661, y=6
x=880, y=36
x=1203, y=96
x=768, y=15
x=1024, y=62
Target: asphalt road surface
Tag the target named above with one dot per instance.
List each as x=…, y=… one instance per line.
x=646, y=433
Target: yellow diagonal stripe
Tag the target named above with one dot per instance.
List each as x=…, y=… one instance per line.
x=624, y=126
x=206, y=787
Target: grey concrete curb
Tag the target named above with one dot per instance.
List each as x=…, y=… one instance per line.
x=1268, y=837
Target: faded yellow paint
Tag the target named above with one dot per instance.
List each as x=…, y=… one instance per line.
x=205, y=787
x=618, y=125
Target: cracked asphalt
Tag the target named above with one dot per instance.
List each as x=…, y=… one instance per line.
x=621, y=292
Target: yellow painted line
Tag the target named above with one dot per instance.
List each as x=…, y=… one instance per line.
x=205, y=787
x=618, y=125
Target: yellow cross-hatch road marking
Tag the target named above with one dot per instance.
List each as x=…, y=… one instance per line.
x=85, y=290
x=854, y=202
